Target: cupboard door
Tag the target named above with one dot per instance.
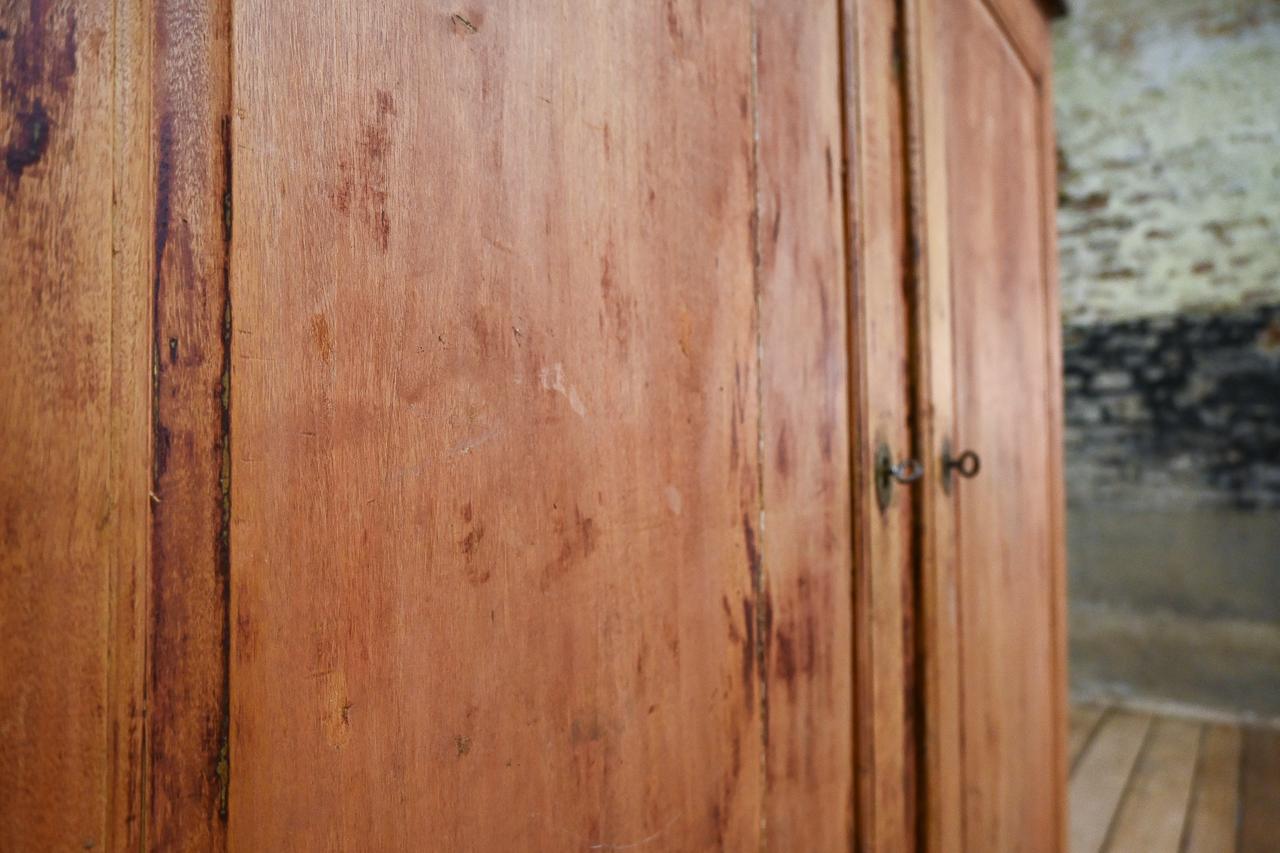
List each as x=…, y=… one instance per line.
x=498, y=557
x=986, y=111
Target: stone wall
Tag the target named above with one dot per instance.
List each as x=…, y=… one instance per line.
x=1168, y=123
x=1168, y=115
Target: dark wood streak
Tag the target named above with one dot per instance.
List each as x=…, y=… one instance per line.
x=189, y=584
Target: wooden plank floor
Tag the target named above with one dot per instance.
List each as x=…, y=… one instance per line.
x=1142, y=783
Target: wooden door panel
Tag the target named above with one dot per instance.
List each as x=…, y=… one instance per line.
x=881, y=383
x=1006, y=549
x=70, y=421
x=495, y=532
x=806, y=547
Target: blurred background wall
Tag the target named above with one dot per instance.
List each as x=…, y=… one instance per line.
x=1168, y=124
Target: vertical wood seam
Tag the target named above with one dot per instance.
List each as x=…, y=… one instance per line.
x=188, y=109
x=914, y=640
x=147, y=780
x=864, y=748
x=762, y=605
x=843, y=25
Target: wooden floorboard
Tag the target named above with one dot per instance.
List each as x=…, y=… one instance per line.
x=1084, y=722
x=1101, y=776
x=1142, y=783
x=1152, y=816
x=1260, y=791
x=1211, y=827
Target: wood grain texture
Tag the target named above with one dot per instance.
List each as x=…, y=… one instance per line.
x=132, y=401
x=1154, y=810
x=941, y=797
x=805, y=422
x=68, y=402
x=495, y=508
x=1259, y=790
x=1100, y=779
x=1212, y=824
x=877, y=240
x=1008, y=542
x=187, y=677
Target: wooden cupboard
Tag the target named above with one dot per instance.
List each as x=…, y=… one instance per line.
x=469, y=427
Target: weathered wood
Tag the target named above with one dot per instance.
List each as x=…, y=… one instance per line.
x=1154, y=811
x=1260, y=790
x=1100, y=779
x=941, y=793
x=805, y=422
x=1212, y=824
x=187, y=679
x=72, y=406
x=877, y=240
x=495, y=511
x=996, y=235
x=132, y=400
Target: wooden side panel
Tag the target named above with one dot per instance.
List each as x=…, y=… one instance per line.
x=495, y=509
x=805, y=421
x=1055, y=679
x=1008, y=524
x=187, y=675
x=68, y=402
x=881, y=386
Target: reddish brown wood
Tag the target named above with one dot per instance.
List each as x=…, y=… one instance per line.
x=187, y=679
x=878, y=243
x=496, y=522
x=67, y=528
x=939, y=672
x=1009, y=521
x=805, y=422
x=132, y=400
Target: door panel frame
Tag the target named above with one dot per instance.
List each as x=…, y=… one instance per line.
x=941, y=756
x=878, y=234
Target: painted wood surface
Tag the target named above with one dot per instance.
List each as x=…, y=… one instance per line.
x=1008, y=540
x=806, y=541
x=880, y=371
x=496, y=498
